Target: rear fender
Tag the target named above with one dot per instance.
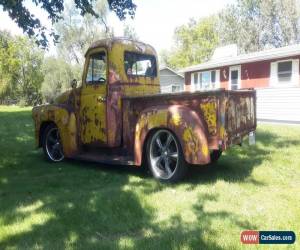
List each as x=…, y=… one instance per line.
x=183, y=122
x=64, y=119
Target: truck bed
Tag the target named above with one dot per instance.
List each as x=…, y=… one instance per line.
x=227, y=115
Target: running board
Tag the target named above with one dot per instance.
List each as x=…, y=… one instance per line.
x=105, y=159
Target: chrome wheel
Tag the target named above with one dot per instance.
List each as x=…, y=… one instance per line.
x=163, y=154
x=53, y=145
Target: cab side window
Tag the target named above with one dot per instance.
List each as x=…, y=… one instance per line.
x=97, y=69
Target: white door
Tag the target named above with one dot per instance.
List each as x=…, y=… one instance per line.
x=235, y=77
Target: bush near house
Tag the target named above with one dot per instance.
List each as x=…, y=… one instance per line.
x=88, y=206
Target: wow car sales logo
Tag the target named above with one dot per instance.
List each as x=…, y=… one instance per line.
x=268, y=237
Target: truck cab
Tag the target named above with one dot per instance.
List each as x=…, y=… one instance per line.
x=118, y=115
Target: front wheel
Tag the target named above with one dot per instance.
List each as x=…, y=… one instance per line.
x=164, y=156
x=52, y=145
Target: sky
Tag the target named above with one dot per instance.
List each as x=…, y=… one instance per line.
x=154, y=22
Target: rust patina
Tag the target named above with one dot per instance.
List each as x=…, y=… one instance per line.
x=120, y=114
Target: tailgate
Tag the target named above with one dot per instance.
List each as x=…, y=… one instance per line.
x=240, y=113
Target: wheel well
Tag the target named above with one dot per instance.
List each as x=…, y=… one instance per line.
x=43, y=127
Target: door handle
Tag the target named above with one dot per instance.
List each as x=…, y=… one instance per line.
x=101, y=99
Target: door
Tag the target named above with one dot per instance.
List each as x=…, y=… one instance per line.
x=235, y=77
x=93, y=129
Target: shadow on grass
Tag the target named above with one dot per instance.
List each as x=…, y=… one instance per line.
x=66, y=205
x=237, y=164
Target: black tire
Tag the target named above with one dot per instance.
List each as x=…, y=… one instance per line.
x=165, y=161
x=52, y=146
x=215, y=155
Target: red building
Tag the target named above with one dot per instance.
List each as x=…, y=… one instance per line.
x=269, y=68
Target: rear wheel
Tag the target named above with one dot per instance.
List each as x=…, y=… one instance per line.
x=164, y=156
x=52, y=145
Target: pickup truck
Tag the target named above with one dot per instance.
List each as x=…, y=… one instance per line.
x=118, y=115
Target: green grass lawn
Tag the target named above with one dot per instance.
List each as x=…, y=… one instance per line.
x=77, y=205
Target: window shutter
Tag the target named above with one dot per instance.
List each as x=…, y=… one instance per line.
x=273, y=74
x=217, y=79
x=295, y=70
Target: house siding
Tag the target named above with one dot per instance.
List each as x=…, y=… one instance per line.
x=278, y=104
x=169, y=78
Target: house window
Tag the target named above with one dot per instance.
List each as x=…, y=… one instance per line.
x=196, y=78
x=284, y=71
x=213, y=79
x=206, y=80
x=176, y=88
x=234, y=77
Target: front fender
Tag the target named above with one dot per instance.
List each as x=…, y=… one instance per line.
x=64, y=119
x=183, y=122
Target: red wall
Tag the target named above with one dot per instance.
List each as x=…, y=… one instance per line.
x=187, y=81
x=224, y=74
x=253, y=75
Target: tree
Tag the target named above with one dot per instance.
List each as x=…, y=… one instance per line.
x=57, y=77
x=20, y=69
x=130, y=32
x=77, y=32
x=194, y=43
x=251, y=24
x=32, y=26
x=282, y=22
x=30, y=75
x=257, y=24
x=9, y=66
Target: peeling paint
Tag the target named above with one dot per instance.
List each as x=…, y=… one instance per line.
x=209, y=110
x=65, y=121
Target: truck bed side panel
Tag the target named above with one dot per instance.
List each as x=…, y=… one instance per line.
x=224, y=115
x=198, y=133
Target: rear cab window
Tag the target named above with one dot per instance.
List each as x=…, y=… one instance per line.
x=139, y=64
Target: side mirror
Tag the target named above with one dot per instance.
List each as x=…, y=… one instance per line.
x=74, y=83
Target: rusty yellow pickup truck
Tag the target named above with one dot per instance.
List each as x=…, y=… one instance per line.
x=118, y=116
